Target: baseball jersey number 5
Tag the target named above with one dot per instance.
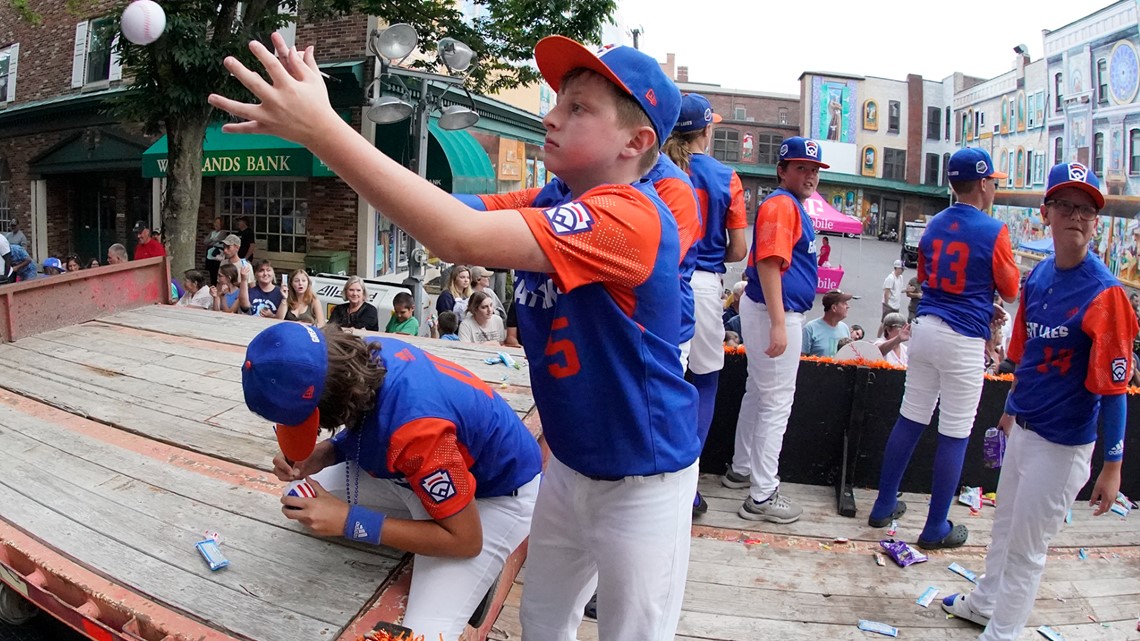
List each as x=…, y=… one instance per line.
x=958, y=254
x=563, y=346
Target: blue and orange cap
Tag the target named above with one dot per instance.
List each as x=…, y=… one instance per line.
x=696, y=114
x=633, y=71
x=798, y=148
x=1074, y=174
x=972, y=163
x=283, y=378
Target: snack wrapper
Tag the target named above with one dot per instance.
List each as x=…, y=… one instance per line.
x=927, y=597
x=881, y=628
x=993, y=447
x=212, y=554
x=1050, y=633
x=971, y=496
x=969, y=575
x=902, y=553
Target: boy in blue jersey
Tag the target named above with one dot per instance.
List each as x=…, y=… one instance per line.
x=598, y=308
x=432, y=461
x=963, y=256
x=1071, y=341
x=721, y=199
x=781, y=276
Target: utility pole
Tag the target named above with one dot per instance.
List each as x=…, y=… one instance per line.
x=636, y=33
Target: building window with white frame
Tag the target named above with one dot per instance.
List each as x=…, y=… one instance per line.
x=768, y=148
x=1134, y=152
x=894, y=115
x=1102, y=81
x=1058, y=150
x=9, y=57
x=782, y=118
x=932, y=161
x=1098, y=155
x=5, y=197
x=94, y=59
x=1058, y=93
x=277, y=210
x=726, y=145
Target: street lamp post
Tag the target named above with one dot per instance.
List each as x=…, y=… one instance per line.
x=395, y=44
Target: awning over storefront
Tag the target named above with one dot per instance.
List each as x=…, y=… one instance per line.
x=456, y=161
x=241, y=155
x=93, y=149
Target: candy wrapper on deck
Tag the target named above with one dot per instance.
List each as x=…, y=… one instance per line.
x=902, y=553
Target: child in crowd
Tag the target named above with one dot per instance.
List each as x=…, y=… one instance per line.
x=448, y=324
x=402, y=320
x=53, y=266
x=597, y=292
x=228, y=293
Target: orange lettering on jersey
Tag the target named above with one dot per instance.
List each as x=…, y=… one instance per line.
x=405, y=355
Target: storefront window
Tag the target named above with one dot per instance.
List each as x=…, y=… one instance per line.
x=277, y=209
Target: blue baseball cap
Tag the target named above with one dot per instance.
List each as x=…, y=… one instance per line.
x=53, y=263
x=1074, y=174
x=971, y=163
x=802, y=149
x=283, y=378
x=633, y=71
x=696, y=114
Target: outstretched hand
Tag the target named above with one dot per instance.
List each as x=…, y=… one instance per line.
x=294, y=103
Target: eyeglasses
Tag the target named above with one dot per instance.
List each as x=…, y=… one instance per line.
x=1066, y=208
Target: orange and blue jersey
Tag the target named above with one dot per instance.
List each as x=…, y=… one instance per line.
x=783, y=230
x=607, y=318
x=442, y=431
x=963, y=256
x=676, y=191
x=720, y=196
x=1072, y=342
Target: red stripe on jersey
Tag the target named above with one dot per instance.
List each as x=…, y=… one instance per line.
x=778, y=228
x=510, y=200
x=424, y=446
x=618, y=248
x=737, y=216
x=1111, y=324
x=678, y=197
x=1007, y=276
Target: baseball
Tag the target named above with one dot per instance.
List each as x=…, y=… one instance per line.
x=143, y=22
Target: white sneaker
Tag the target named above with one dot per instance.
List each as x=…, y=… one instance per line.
x=956, y=604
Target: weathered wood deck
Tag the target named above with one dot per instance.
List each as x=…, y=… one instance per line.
x=126, y=437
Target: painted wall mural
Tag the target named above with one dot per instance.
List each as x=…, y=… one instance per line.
x=832, y=113
x=1116, y=241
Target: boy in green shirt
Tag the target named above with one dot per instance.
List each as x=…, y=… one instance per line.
x=402, y=320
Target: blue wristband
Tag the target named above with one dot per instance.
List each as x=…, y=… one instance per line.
x=363, y=525
x=1113, y=412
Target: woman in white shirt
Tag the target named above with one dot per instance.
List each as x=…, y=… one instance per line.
x=482, y=325
x=896, y=332
x=197, y=293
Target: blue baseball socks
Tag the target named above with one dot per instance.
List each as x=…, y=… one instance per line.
x=900, y=446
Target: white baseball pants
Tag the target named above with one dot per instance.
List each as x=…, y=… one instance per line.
x=1039, y=482
x=629, y=538
x=707, y=353
x=445, y=591
x=944, y=368
x=768, y=396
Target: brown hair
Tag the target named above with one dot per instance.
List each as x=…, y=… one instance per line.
x=229, y=271
x=353, y=381
x=677, y=147
x=629, y=113
x=477, y=299
x=307, y=298
x=965, y=187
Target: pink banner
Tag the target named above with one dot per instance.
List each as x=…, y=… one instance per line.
x=828, y=279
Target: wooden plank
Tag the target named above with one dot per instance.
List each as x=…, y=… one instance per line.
x=159, y=523
x=820, y=519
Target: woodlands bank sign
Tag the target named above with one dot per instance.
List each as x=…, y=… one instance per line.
x=276, y=162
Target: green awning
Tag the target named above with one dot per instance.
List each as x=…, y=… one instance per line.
x=456, y=162
x=226, y=154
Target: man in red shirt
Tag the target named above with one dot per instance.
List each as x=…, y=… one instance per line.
x=148, y=246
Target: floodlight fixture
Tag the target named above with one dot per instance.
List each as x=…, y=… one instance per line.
x=397, y=42
x=388, y=109
x=456, y=56
x=457, y=117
